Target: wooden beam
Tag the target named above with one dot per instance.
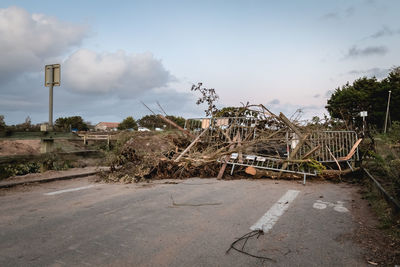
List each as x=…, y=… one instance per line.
x=191, y=145
x=294, y=128
x=226, y=158
x=176, y=126
x=309, y=153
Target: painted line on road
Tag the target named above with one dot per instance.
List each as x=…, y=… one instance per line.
x=69, y=190
x=266, y=222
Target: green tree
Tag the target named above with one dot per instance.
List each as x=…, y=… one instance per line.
x=367, y=94
x=151, y=122
x=178, y=120
x=128, y=123
x=74, y=122
x=234, y=112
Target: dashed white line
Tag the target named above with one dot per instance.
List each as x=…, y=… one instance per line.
x=266, y=222
x=69, y=190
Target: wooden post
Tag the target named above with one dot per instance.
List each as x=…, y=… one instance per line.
x=226, y=158
x=294, y=128
x=190, y=146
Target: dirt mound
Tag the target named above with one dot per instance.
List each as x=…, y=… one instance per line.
x=19, y=147
x=150, y=155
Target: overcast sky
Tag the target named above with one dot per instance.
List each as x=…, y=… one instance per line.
x=114, y=54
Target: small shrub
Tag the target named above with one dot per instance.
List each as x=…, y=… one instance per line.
x=19, y=169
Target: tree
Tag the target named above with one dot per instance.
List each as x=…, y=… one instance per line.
x=234, y=112
x=178, y=120
x=367, y=94
x=151, y=122
x=27, y=125
x=128, y=123
x=209, y=96
x=74, y=122
x=2, y=123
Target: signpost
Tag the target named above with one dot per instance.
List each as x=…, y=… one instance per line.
x=363, y=114
x=52, y=77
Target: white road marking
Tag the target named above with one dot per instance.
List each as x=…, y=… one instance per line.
x=340, y=209
x=320, y=205
x=69, y=190
x=266, y=222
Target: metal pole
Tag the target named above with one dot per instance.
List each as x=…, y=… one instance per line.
x=363, y=125
x=51, y=81
x=387, y=111
x=51, y=107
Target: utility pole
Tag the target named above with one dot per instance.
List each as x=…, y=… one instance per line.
x=387, y=111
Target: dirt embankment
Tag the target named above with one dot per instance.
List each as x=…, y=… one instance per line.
x=19, y=147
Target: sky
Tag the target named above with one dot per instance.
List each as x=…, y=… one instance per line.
x=287, y=55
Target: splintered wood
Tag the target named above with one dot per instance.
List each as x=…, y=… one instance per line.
x=265, y=144
x=252, y=140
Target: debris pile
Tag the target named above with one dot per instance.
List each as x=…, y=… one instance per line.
x=149, y=155
x=251, y=139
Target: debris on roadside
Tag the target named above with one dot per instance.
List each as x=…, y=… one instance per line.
x=251, y=140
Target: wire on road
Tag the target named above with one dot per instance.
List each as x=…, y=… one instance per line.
x=246, y=237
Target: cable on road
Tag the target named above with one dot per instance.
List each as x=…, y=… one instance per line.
x=246, y=237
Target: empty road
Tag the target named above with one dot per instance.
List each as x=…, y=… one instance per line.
x=179, y=223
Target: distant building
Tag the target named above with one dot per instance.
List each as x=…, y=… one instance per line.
x=106, y=126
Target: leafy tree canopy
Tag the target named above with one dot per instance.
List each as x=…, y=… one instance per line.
x=75, y=122
x=234, y=112
x=128, y=123
x=153, y=121
x=367, y=94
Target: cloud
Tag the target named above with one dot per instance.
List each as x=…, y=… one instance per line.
x=28, y=41
x=317, y=96
x=28, y=96
x=118, y=73
x=334, y=15
x=383, y=32
x=355, y=52
x=329, y=93
x=331, y=15
x=349, y=11
x=373, y=72
x=307, y=111
x=274, y=102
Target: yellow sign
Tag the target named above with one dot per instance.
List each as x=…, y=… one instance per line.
x=52, y=75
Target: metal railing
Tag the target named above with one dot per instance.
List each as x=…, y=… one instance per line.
x=336, y=143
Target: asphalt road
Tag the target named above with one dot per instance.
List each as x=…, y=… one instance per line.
x=191, y=223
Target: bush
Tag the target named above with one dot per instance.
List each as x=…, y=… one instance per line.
x=394, y=132
x=19, y=169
